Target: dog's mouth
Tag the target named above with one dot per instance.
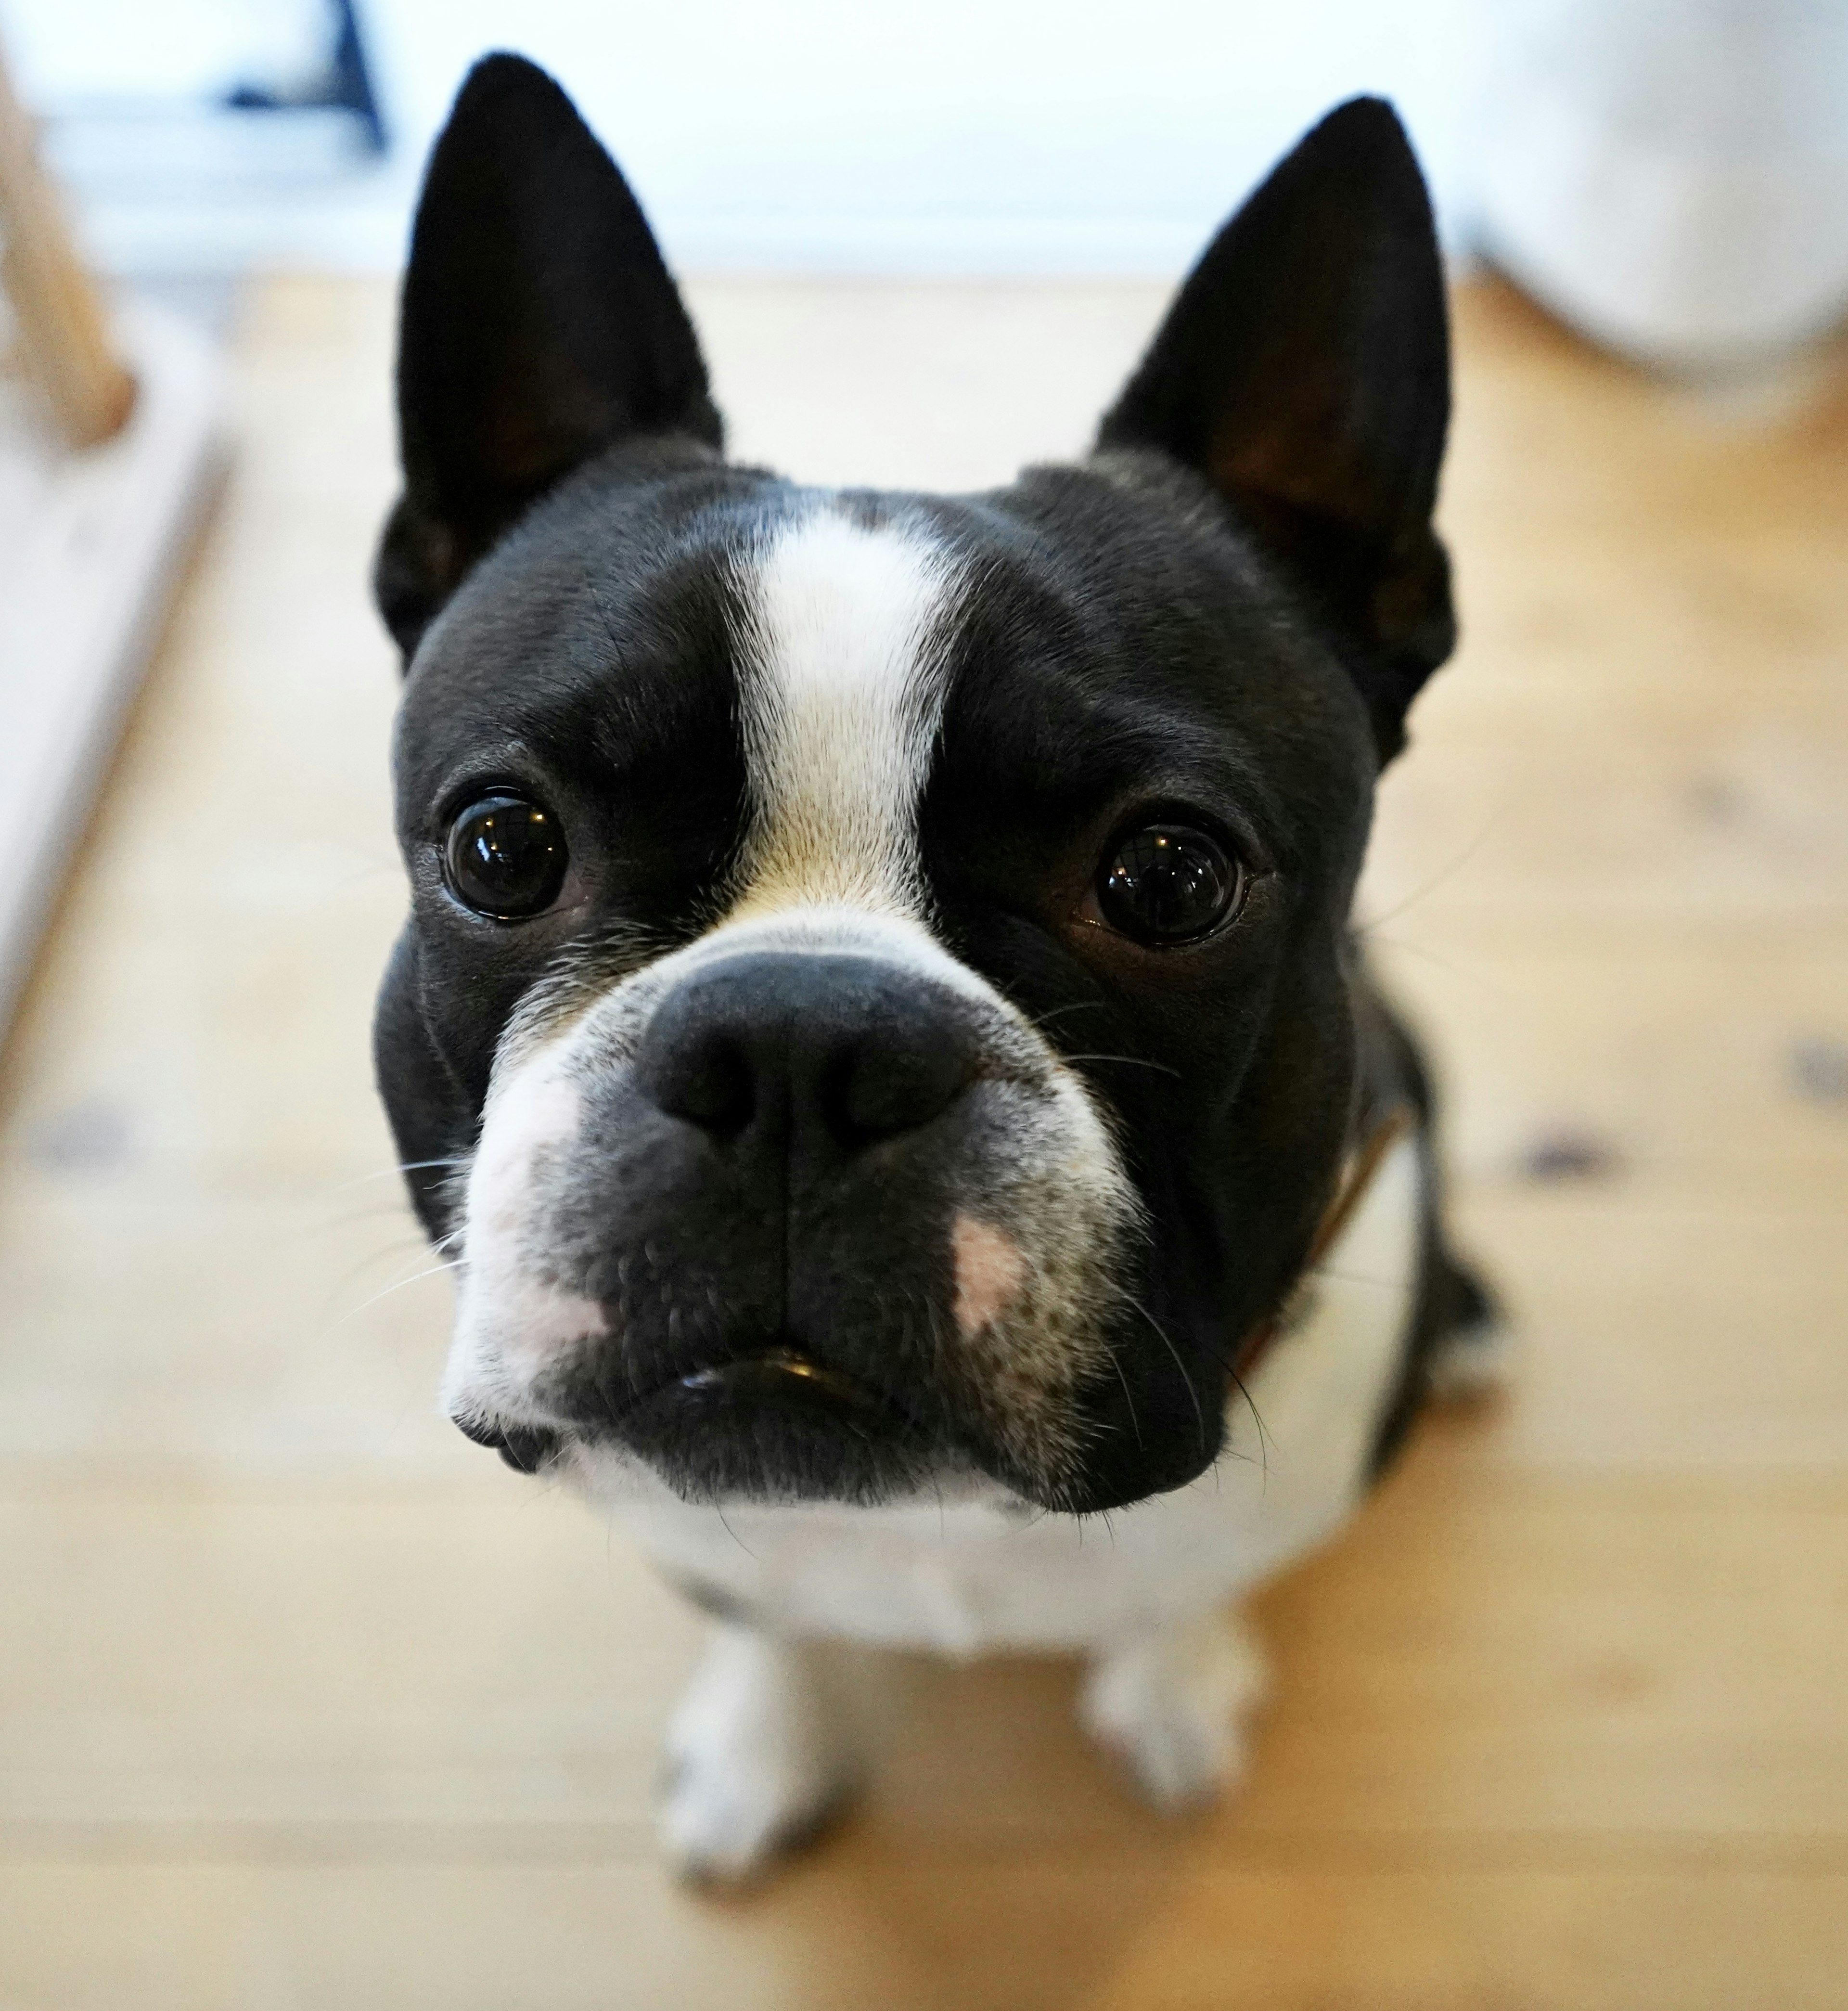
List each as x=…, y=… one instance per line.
x=783, y=1382
x=778, y=1422
x=784, y=1375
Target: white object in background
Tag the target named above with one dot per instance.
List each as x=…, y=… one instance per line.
x=90, y=543
x=1672, y=175
x=969, y=136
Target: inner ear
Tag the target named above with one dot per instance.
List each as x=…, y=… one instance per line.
x=539, y=326
x=1304, y=371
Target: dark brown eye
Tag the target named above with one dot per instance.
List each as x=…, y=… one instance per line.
x=1167, y=884
x=506, y=857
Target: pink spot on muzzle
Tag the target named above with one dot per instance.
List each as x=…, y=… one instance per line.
x=990, y=1271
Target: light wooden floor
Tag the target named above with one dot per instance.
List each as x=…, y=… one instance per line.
x=305, y=1704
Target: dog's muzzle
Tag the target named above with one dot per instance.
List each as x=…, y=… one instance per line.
x=759, y=1202
x=792, y=1219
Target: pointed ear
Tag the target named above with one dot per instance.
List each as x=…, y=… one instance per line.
x=538, y=325
x=1304, y=371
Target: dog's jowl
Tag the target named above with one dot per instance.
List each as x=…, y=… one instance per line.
x=878, y=1023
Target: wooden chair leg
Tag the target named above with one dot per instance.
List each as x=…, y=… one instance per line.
x=63, y=336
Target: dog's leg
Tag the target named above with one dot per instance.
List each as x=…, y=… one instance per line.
x=1172, y=1704
x=758, y=1759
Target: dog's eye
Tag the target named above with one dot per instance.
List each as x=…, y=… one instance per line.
x=506, y=857
x=1167, y=884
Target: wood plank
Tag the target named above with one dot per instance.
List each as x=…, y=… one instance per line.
x=1052, y=1935
x=1488, y=1653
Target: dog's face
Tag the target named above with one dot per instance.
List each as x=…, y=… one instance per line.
x=876, y=1007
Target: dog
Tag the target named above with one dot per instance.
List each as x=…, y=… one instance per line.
x=878, y=1025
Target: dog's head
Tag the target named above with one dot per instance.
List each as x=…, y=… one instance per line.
x=877, y=1003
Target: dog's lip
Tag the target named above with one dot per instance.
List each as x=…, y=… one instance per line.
x=524, y=1447
x=785, y=1374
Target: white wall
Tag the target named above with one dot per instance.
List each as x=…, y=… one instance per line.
x=971, y=135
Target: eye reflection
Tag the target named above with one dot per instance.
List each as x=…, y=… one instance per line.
x=506, y=857
x=1168, y=884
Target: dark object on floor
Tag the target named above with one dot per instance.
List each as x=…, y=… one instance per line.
x=1818, y=1069
x=1568, y=1154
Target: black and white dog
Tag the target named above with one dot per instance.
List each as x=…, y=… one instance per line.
x=879, y=1022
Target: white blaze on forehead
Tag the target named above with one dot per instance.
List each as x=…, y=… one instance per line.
x=842, y=688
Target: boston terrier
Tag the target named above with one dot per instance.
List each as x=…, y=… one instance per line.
x=878, y=1025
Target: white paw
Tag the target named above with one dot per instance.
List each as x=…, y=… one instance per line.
x=757, y=1761
x=1172, y=1706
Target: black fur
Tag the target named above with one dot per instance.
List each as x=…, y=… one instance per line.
x=1305, y=371
x=539, y=325
x=1227, y=610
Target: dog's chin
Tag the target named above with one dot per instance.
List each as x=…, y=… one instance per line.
x=779, y=1426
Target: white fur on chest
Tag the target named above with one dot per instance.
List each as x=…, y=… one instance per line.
x=973, y=1575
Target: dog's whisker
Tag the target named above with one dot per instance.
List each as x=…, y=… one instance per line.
x=418, y=1243
x=326, y=1225
x=1445, y=873
x=719, y=1510
x=1129, y=1061
x=396, y=1172
x=416, y=1277
x=1058, y=1011
x=1135, y=1423
x=1180, y=1366
x=1405, y=946
x=1238, y=1383
x=1263, y=1459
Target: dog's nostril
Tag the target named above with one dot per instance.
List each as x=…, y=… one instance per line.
x=883, y=1089
x=709, y=1082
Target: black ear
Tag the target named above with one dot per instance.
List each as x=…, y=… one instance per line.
x=539, y=325
x=1305, y=370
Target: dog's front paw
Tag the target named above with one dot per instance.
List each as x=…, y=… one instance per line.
x=758, y=1762
x=1172, y=1706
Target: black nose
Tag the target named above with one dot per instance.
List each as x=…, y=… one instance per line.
x=844, y=1049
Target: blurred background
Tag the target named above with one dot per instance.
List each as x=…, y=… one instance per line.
x=304, y=1701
